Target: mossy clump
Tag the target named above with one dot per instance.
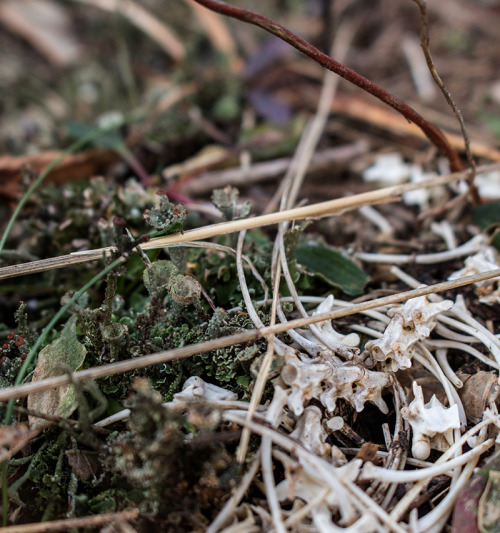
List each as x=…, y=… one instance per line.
x=178, y=460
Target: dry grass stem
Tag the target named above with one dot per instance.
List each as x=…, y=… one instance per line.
x=319, y=210
x=186, y=351
x=146, y=22
x=268, y=170
x=92, y=521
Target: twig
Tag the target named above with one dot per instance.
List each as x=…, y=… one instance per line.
x=187, y=351
x=424, y=41
x=261, y=380
x=319, y=210
x=71, y=523
x=433, y=133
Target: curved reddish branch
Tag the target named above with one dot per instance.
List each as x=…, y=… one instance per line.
x=434, y=134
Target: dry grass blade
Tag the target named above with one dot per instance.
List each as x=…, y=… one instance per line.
x=267, y=170
x=146, y=22
x=251, y=335
x=92, y=521
x=218, y=33
x=319, y=210
x=363, y=110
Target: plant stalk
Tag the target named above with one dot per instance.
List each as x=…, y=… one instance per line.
x=434, y=134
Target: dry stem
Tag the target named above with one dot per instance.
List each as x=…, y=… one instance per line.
x=180, y=353
x=433, y=133
x=319, y=210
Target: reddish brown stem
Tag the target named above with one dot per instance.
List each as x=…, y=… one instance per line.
x=434, y=134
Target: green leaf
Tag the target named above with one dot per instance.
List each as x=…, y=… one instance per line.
x=111, y=140
x=332, y=267
x=487, y=216
x=63, y=354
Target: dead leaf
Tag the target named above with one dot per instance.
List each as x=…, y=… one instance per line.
x=13, y=439
x=472, y=511
x=84, y=463
x=478, y=392
x=46, y=26
x=67, y=352
x=72, y=167
x=367, y=452
x=489, y=504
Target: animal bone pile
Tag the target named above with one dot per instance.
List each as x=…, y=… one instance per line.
x=318, y=472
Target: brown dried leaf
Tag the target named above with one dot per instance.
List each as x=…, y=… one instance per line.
x=72, y=167
x=84, y=463
x=13, y=439
x=473, y=507
x=367, y=452
x=489, y=505
x=478, y=392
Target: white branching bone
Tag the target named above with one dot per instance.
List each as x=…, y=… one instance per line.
x=327, y=382
x=410, y=323
x=196, y=388
x=483, y=261
x=310, y=432
x=432, y=424
x=306, y=483
x=326, y=328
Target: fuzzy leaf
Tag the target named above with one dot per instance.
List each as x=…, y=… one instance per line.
x=332, y=267
x=65, y=352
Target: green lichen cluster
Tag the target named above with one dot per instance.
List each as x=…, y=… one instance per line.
x=171, y=464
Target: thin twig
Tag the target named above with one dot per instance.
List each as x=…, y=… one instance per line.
x=424, y=41
x=319, y=210
x=72, y=523
x=433, y=133
x=122, y=367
